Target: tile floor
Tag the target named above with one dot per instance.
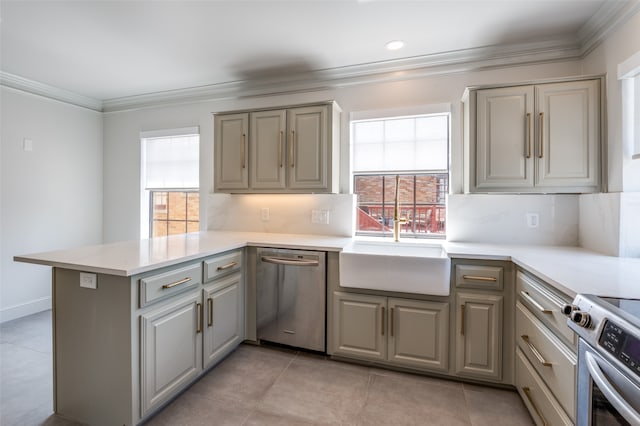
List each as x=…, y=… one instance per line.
x=263, y=386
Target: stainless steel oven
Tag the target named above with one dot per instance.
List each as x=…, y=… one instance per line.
x=608, y=360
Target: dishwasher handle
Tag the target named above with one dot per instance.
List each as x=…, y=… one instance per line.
x=285, y=261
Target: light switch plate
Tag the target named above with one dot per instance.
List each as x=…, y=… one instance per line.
x=88, y=280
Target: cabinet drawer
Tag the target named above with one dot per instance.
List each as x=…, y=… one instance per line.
x=219, y=266
x=539, y=400
x=553, y=361
x=477, y=276
x=546, y=306
x=159, y=286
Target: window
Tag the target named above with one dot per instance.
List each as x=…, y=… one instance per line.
x=170, y=179
x=629, y=74
x=414, y=148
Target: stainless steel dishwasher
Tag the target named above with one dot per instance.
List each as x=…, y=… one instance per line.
x=291, y=297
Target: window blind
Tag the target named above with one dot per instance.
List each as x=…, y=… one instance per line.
x=171, y=162
x=418, y=143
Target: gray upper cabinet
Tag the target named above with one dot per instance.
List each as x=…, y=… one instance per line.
x=268, y=148
x=231, y=153
x=534, y=138
x=291, y=149
x=309, y=143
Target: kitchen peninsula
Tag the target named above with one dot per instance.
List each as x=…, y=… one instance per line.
x=120, y=310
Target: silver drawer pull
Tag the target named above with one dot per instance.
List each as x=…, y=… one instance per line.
x=535, y=304
x=227, y=266
x=535, y=352
x=182, y=281
x=527, y=392
x=479, y=278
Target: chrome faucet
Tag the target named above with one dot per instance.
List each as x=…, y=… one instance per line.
x=397, y=222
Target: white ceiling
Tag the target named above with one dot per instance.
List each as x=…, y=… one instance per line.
x=114, y=49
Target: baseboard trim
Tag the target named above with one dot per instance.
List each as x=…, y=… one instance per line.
x=24, y=309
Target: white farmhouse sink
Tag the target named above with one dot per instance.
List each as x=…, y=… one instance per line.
x=395, y=266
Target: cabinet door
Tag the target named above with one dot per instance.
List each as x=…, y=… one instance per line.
x=223, y=319
x=267, y=147
x=230, y=151
x=360, y=325
x=567, y=134
x=419, y=333
x=479, y=335
x=308, y=134
x=504, y=151
x=170, y=349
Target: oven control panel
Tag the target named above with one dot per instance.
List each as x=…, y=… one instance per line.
x=621, y=345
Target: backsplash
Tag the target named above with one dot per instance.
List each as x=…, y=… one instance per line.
x=287, y=213
x=609, y=223
x=502, y=218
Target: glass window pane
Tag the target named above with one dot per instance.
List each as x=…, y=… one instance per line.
x=416, y=148
x=159, y=228
x=177, y=227
x=193, y=206
x=177, y=206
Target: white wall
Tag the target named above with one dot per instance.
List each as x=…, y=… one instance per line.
x=624, y=173
x=608, y=222
x=51, y=197
x=122, y=145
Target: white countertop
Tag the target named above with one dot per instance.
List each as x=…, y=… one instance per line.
x=570, y=269
x=135, y=257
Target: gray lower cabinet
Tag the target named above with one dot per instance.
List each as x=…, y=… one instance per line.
x=171, y=349
x=400, y=331
x=483, y=320
x=546, y=368
x=124, y=349
x=479, y=340
x=224, y=318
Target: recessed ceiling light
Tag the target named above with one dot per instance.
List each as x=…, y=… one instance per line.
x=395, y=45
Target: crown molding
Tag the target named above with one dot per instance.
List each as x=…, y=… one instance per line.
x=400, y=69
x=601, y=25
x=41, y=89
x=606, y=20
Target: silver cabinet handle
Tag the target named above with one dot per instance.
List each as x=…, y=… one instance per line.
x=293, y=262
x=382, y=321
x=527, y=392
x=609, y=391
x=209, y=312
x=243, y=149
x=536, y=305
x=535, y=351
x=528, y=135
x=227, y=266
x=291, y=157
x=199, y=318
x=173, y=284
x=479, y=278
x=391, y=321
x=280, y=148
x=541, y=116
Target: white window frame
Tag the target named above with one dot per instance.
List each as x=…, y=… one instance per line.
x=629, y=75
x=145, y=199
x=381, y=114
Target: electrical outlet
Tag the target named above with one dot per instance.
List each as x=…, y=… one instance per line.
x=88, y=280
x=320, y=217
x=264, y=213
x=533, y=220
